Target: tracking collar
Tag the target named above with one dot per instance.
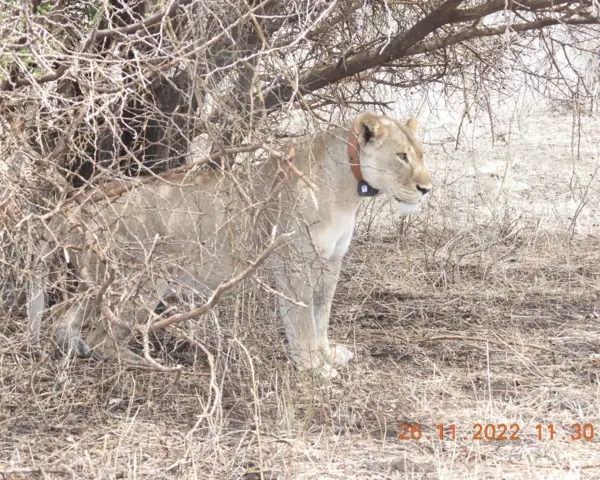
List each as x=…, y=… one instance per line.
x=364, y=189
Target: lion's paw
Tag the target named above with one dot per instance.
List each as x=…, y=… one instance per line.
x=107, y=349
x=340, y=355
x=70, y=342
x=327, y=371
x=317, y=368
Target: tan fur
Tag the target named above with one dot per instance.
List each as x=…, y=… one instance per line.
x=203, y=228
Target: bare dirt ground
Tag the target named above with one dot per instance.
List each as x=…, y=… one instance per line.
x=483, y=309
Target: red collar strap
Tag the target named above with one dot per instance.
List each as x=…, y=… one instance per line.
x=364, y=189
x=354, y=156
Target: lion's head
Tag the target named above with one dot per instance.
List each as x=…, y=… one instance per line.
x=391, y=159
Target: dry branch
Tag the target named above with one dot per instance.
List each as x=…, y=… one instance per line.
x=407, y=43
x=289, y=164
x=441, y=338
x=118, y=188
x=155, y=19
x=218, y=292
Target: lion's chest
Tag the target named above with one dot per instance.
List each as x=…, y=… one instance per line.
x=332, y=238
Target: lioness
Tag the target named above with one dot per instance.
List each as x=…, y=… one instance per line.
x=197, y=230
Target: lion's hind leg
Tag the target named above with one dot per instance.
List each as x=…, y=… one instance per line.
x=110, y=340
x=112, y=345
x=68, y=333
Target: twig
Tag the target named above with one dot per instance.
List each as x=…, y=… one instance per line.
x=213, y=384
x=104, y=287
x=176, y=369
x=107, y=311
x=567, y=468
x=256, y=403
x=478, y=339
x=116, y=189
x=16, y=470
x=216, y=296
x=290, y=165
x=149, y=22
x=279, y=294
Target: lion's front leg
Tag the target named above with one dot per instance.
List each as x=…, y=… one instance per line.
x=326, y=284
x=296, y=283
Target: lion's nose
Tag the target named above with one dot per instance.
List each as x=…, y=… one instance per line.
x=423, y=190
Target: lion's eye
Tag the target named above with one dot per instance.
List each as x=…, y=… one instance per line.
x=403, y=157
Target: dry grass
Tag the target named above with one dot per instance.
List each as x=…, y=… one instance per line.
x=475, y=312
x=420, y=327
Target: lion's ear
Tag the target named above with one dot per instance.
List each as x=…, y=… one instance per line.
x=412, y=124
x=369, y=128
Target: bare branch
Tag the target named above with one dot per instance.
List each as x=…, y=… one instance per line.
x=492, y=31
x=222, y=288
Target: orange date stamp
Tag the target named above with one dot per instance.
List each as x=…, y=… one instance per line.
x=498, y=432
